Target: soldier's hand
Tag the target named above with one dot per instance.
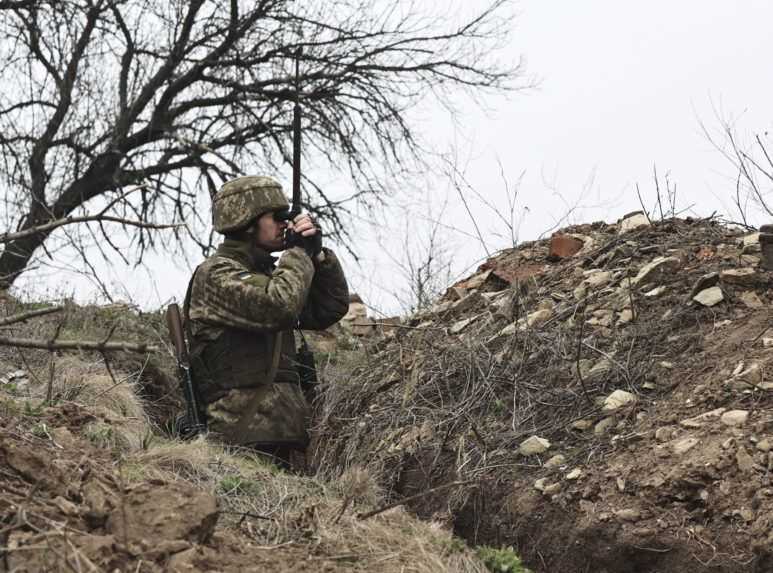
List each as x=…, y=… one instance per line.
x=305, y=233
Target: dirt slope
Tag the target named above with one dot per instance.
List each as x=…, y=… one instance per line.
x=603, y=410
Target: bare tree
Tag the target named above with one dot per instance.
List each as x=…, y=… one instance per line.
x=120, y=112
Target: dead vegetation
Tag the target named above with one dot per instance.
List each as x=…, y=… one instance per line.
x=555, y=389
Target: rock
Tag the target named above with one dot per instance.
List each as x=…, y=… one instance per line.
x=604, y=425
x=746, y=277
x=596, y=278
x=657, y=291
x=744, y=460
x=580, y=292
x=764, y=445
x=637, y=220
x=628, y=514
x=460, y=325
x=700, y=420
x=538, y=318
x=656, y=270
x=556, y=461
x=704, y=282
x=625, y=317
x=599, y=369
x=681, y=447
x=618, y=399
x=602, y=317
x=552, y=489
x=735, y=417
x=540, y=484
x=575, y=474
x=564, y=246
x=710, y=296
x=533, y=446
x=469, y=302
x=753, y=374
x=620, y=482
x=664, y=434
x=582, y=425
x=748, y=240
x=751, y=299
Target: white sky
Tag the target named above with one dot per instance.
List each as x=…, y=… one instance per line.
x=623, y=85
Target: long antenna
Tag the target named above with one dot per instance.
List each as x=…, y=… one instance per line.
x=296, y=207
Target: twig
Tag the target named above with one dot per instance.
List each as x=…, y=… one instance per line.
x=21, y=317
x=382, y=509
x=79, y=345
x=47, y=227
x=579, y=354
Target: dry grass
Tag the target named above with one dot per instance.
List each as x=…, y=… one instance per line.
x=278, y=508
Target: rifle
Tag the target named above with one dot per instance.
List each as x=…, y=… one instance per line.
x=193, y=422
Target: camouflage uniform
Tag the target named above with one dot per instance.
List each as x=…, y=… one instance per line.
x=242, y=304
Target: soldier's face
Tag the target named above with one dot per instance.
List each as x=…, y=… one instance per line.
x=269, y=234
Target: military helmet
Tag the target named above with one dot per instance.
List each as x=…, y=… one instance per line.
x=241, y=200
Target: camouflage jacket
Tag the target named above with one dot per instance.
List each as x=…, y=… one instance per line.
x=239, y=303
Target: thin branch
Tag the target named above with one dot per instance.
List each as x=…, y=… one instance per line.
x=21, y=317
x=97, y=346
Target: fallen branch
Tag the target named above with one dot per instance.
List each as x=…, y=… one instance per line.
x=411, y=498
x=21, y=317
x=117, y=346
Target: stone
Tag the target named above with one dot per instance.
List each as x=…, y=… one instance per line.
x=753, y=374
x=706, y=281
x=539, y=317
x=582, y=425
x=746, y=277
x=533, y=446
x=657, y=291
x=580, y=292
x=469, y=302
x=602, y=317
x=628, y=514
x=751, y=299
x=540, y=484
x=700, y=420
x=744, y=460
x=620, y=482
x=709, y=297
x=681, y=447
x=564, y=246
x=597, y=278
x=604, y=425
x=618, y=399
x=599, y=369
x=556, y=461
x=734, y=418
x=552, y=489
x=764, y=445
x=664, y=434
x=575, y=474
x=637, y=220
x=656, y=270
x=625, y=317
x=460, y=325
x=748, y=240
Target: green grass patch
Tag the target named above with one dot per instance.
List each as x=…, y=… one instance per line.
x=501, y=560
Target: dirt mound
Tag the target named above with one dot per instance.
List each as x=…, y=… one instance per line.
x=602, y=401
x=71, y=500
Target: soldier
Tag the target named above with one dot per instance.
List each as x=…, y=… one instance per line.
x=241, y=309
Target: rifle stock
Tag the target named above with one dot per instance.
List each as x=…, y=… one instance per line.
x=194, y=421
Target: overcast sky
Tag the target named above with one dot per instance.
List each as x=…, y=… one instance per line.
x=622, y=85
